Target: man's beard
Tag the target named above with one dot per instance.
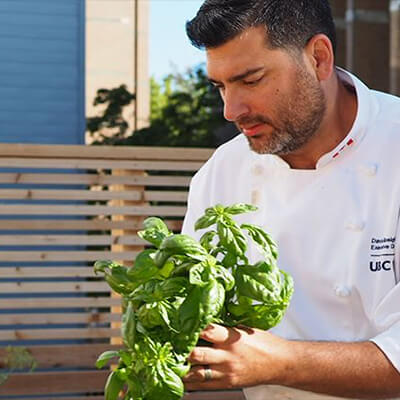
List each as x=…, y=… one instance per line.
x=301, y=115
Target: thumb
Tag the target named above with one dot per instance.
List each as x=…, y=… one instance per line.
x=219, y=334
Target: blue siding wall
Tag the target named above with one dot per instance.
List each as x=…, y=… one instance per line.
x=42, y=71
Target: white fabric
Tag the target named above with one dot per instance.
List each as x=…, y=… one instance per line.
x=336, y=226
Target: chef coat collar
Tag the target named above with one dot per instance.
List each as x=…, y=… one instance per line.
x=367, y=108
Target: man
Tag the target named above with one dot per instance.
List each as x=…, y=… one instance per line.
x=318, y=155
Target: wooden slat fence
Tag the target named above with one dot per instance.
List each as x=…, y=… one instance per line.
x=62, y=208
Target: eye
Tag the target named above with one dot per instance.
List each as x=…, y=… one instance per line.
x=220, y=88
x=253, y=82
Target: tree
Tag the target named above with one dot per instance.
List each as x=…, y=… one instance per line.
x=111, y=123
x=186, y=111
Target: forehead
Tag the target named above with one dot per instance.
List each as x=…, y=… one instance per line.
x=246, y=51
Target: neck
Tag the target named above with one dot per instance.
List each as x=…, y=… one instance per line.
x=339, y=118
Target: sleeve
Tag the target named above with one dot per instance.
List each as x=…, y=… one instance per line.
x=387, y=316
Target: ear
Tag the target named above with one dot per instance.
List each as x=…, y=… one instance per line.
x=319, y=53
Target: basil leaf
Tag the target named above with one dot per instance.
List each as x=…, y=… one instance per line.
x=144, y=267
x=113, y=386
x=179, y=244
x=257, y=285
x=104, y=266
x=231, y=237
x=156, y=223
x=155, y=231
x=105, y=357
x=240, y=208
x=206, y=240
x=205, y=221
x=263, y=240
x=128, y=328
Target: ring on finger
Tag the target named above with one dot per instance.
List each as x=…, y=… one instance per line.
x=207, y=373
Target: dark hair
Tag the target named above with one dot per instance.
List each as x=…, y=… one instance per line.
x=289, y=24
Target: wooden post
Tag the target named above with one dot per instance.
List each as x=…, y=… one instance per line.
x=137, y=222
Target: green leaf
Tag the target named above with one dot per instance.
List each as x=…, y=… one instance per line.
x=199, y=274
x=206, y=240
x=231, y=237
x=119, y=280
x=256, y=284
x=205, y=221
x=223, y=276
x=128, y=328
x=287, y=287
x=113, y=386
x=102, y=266
x=156, y=223
x=263, y=240
x=149, y=315
x=155, y=231
x=105, y=357
x=179, y=244
x=144, y=267
x=240, y=208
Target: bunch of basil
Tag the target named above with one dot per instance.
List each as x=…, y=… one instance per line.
x=178, y=288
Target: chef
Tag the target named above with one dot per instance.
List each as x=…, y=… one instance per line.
x=318, y=154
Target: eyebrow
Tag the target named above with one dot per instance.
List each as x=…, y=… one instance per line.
x=238, y=77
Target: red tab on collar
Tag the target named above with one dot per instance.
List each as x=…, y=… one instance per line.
x=348, y=144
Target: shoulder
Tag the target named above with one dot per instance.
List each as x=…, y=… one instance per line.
x=389, y=111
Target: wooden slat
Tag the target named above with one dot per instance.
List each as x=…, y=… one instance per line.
x=70, y=163
x=41, y=334
x=90, y=210
x=63, y=318
x=104, y=152
x=223, y=395
x=77, y=225
x=132, y=195
x=61, y=356
x=154, y=195
x=66, y=302
x=46, y=272
x=100, y=397
x=54, y=382
x=65, y=255
x=61, y=194
x=219, y=395
x=69, y=240
x=93, y=179
x=54, y=287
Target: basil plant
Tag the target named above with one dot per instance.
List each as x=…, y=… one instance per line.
x=180, y=286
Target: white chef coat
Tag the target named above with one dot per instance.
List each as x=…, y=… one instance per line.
x=335, y=226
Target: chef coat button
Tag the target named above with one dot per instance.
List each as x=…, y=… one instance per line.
x=342, y=291
x=258, y=170
x=369, y=169
x=355, y=226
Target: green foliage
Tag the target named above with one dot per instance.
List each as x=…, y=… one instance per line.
x=186, y=111
x=16, y=358
x=111, y=119
x=176, y=290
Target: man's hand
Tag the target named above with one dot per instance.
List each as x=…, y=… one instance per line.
x=238, y=357
x=243, y=357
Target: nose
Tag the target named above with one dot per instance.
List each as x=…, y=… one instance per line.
x=235, y=107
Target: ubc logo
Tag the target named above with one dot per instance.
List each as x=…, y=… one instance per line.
x=376, y=266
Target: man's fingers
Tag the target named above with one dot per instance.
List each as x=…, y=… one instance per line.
x=197, y=374
x=207, y=355
x=218, y=334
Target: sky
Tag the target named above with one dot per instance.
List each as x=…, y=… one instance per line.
x=170, y=49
